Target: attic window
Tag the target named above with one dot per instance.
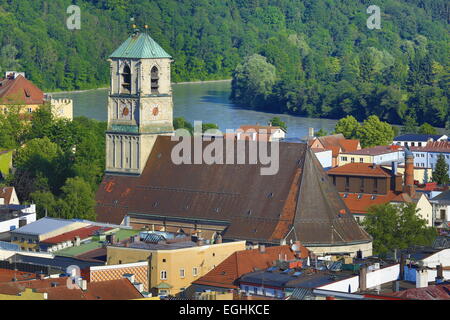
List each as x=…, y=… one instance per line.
x=373, y=197
x=27, y=93
x=345, y=195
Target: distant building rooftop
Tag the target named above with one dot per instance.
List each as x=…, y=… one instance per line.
x=435, y=146
x=361, y=169
x=418, y=137
x=375, y=151
x=43, y=226
x=82, y=233
x=8, y=212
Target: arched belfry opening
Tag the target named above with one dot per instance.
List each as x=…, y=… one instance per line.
x=126, y=80
x=155, y=80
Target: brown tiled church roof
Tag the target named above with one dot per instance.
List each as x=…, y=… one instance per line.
x=297, y=203
x=20, y=91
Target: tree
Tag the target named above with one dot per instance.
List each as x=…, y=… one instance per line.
x=427, y=129
x=409, y=126
x=348, y=126
x=321, y=133
x=181, y=123
x=440, y=173
x=253, y=81
x=277, y=122
x=77, y=200
x=396, y=227
x=374, y=132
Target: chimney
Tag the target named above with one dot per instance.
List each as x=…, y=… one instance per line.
x=409, y=187
x=130, y=277
x=394, y=167
x=83, y=285
x=363, y=278
x=77, y=241
x=402, y=266
x=139, y=286
x=440, y=274
x=396, y=286
x=311, y=132
x=422, y=278
x=262, y=248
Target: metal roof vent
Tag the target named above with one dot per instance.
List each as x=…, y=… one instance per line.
x=249, y=212
x=270, y=195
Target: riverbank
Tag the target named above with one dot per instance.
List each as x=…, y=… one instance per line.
x=104, y=88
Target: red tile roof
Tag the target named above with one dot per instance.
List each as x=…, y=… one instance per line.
x=6, y=193
x=375, y=151
x=245, y=261
x=361, y=169
x=83, y=233
x=360, y=203
x=20, y=91
x=7, y=275
x=432, y=292
x=436, y=146
x=121, y=289
x=265, y=129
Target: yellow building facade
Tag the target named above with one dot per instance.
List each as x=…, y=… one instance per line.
x=173, y=270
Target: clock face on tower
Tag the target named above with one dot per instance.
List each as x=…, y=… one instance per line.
x=154, y=109
x=124, y=111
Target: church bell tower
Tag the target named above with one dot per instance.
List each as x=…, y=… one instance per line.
x=140, y=105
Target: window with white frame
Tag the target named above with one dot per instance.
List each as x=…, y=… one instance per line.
x=195, y=271
x=163, y=275
x=181, y=273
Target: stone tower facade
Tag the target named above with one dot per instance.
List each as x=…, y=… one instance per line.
x=140, y=105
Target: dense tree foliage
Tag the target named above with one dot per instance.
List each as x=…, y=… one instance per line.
x=277, y=122
x=329, y=64
x=372, y=132
x=396, y=227
x=326, y=61
x=440, y=173
x=58, y=164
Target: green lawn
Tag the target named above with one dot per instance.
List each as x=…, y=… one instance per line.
x=75, y=251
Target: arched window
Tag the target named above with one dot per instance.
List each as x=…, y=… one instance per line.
x=155, y=80
x=126, y=80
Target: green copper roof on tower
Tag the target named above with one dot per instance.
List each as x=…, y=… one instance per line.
x=140, y=46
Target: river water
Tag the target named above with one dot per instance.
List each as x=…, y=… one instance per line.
x=207, y=101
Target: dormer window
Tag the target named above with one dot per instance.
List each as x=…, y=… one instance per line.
x=126, y=80
x=155, y=80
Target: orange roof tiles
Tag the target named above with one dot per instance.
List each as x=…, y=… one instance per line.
x=265, y=129
x=435, y=146
x=83, y=233
x=361, y=169
x=360, y=203
x=20, y=91
x=374, y=151
x=121, y=289
x=7, y=275
x=245, y=261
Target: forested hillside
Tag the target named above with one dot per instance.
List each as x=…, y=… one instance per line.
x=322, y=59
